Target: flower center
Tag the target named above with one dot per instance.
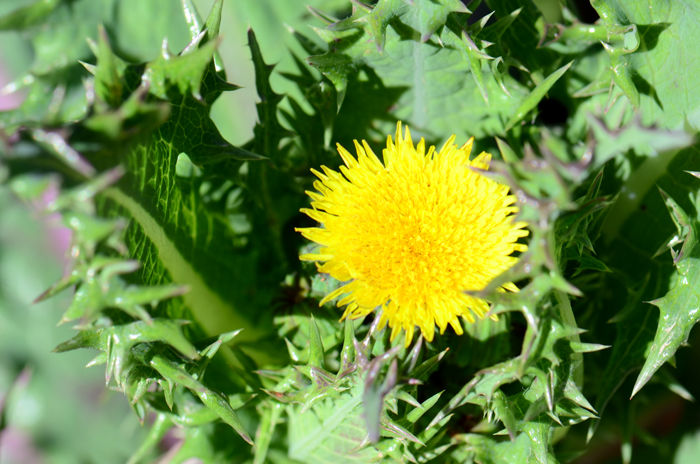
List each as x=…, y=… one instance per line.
x=407, y=234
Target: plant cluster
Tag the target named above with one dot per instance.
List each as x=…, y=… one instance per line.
x=184, y=259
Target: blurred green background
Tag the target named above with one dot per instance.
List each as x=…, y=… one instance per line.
x=55, y=410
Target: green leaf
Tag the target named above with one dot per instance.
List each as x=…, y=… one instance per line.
x=588, y=262
x=124, y=337
x=436, y=94
x=637, y=226
x=316, y=351
x=521, y=37
x=488, y=451
x=271, y=183
x=661, y=71
x=505, y=413
x=268, y=131
x=184, y=72
x=680, y=308
x=108, y=87
x=189, y=242
x=339, y=415
x=28, y=16
x=212, y=26
x=54, y=83
x=507, y=153
x=219, y=404
x=647, y=141
x=474, y=56
x=531, y=101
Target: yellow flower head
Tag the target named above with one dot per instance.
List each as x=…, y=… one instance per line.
x=410, y=236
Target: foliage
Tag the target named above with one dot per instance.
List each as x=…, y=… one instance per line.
x=183, y=265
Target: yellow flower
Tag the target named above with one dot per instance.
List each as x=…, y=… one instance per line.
x=410, y=236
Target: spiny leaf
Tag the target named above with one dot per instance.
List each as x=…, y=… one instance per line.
x=379, y=18
x=211, y=25
x=179, y=80
x=214, y=401
x=531, y=101
x=316, y=351
x=129, y=335
x=405, y=60
x=648, y=141
x=680, y=308
x=55, y=144
x=185, y=72
x=217, y=403
x=618, y=24
x=507, y=152
x=57, y=31
x=417, y=413
x=474, y=57
x=632, y=256
x=504, y=410
x=493, y=32
x=268, y=130
x=98, y=292
x=662, y=30
x=348, y=353
x=108, y=86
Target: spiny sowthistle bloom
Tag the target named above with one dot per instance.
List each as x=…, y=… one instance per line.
x=410, y=236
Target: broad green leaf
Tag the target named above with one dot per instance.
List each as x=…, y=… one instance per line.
x=437, y=95
x=141, y=27
x=175, y=231
x=665, y=69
